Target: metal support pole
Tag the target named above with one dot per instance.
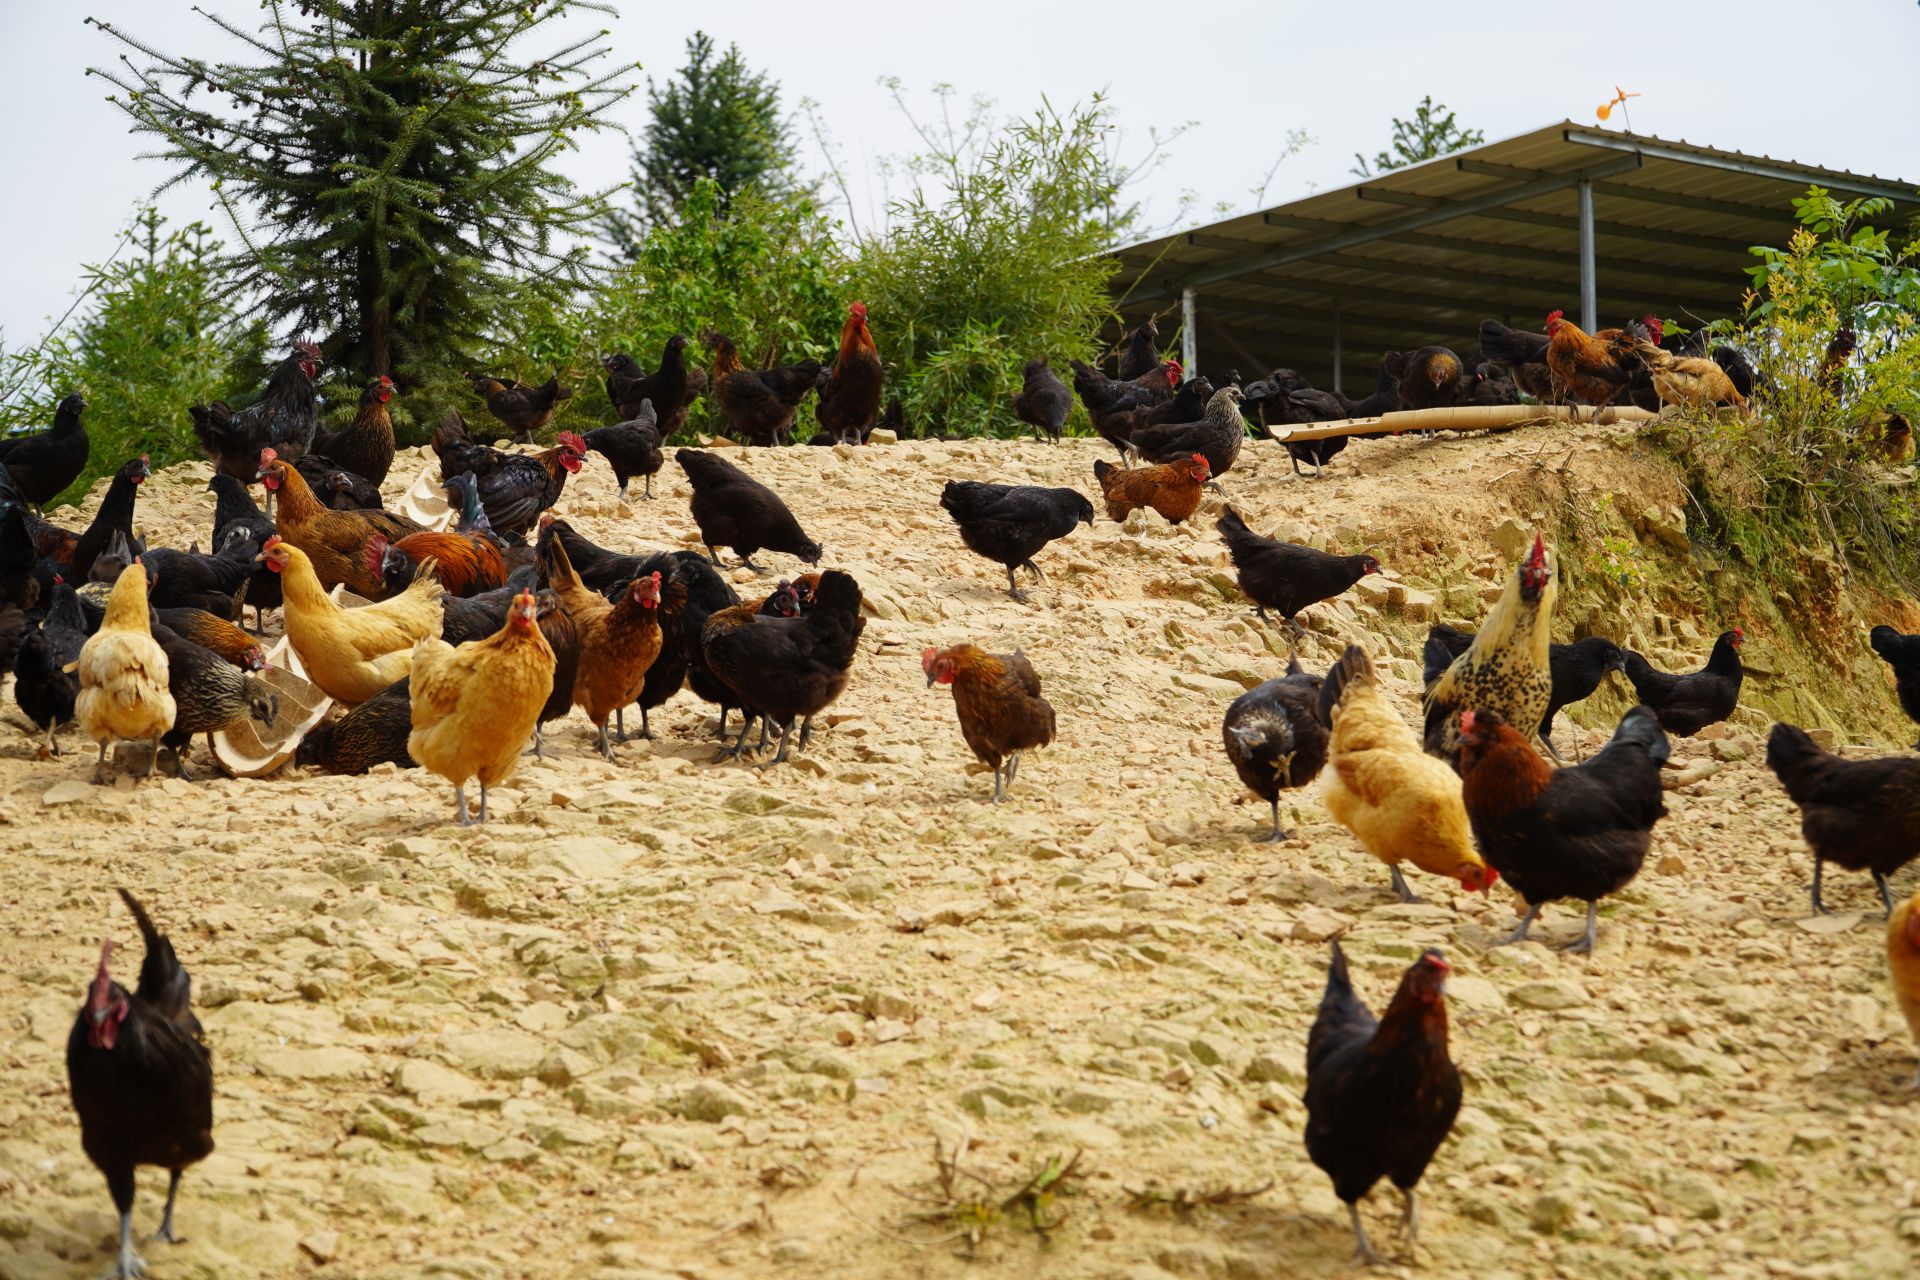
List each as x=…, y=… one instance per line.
x=1589, y=290
x=1189, y=334
x=1336, y=349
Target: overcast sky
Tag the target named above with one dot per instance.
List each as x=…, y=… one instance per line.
x=1829, y=84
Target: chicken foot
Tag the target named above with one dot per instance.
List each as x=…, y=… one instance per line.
x=1879, y=882
x=1526, y=923
x=1367, y=1257
x=460, y=805
x=100, y=776
x=1583, y=945
x=166, y=1218
x=128, y=1265
x=1401, y=887
x=604, y=742
x=786, y=732
x=1410, y=1219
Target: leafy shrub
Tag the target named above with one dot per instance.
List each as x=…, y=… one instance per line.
x=160, y=330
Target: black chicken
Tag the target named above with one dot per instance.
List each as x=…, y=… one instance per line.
x=1009, y=524
x=1043, y=401
x=209, y=694
x=375, y=732
x=73, y=554
x=1275, y=739
x=671, y=389
x=523, y=409
x=365, y=447
x=1217, y=436
x=141, y=1080
x=792, y=668
x=186, y=579
x=632, y=447
x=1688, y=703
x=513, y=488
x=1285, y=576
x=284, y=419
x=734, y=510
x=238, y=521
x=1382, y=1094
x=42, y=685
x=1902, y=653
x=1863, y=815
x=44, y=463
x=1142, y=353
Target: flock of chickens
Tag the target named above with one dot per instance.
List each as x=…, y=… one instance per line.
x=473, y=637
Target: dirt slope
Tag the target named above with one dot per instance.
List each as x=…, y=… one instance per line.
x=664, y=1018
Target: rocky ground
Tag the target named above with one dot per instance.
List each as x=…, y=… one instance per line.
x=664, y=1018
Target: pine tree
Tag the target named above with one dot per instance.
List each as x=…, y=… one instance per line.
x=717, y=120
x=386, y=164
x=1432, y=132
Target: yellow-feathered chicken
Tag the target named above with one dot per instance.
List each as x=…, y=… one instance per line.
x=351, y=654
x=1903, y=964
x=1397, y=800
x=1506, y=669
x=123, y=674
x=475, y=707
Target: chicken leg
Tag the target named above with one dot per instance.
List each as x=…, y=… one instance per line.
x=999, y=785
x=1401, y=887
x=1410, y=1219
x=604, y=742
x=1013, y=587
x=100, y=778
x=166, y=1218
x=786, y=732
x=1526, y=923
x=1278, y=833
x=483, y=802
x=1583, y=945
x=128, y=1265
x=460, y=806
x=649, y=493
x=1367, y=1256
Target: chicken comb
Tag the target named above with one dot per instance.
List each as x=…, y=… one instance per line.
x=273, y=540
x=307, y=347
x=858, y=311
x=1555, y=314
x=266, y=456
x=569, y=440
x=926, y=659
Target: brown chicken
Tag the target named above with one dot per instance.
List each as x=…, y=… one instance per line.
x=474, y=707
x=1431, y=378
x=1903, y=965
x=351, y=654
x=1693, y=382
x=618, y=641
x=850, y=397
x=1585, y=369
x=525, y=410
x=335, y=541
x=1398, y=801
x=141, y=1080
x=215, y=633
x=365, y=448
x=466, y=563
x=1172, y=489
x=998, y=697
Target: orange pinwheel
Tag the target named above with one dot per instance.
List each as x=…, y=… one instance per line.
x=1620, y=96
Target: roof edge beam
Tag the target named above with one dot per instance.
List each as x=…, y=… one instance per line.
x=1752, y=168
x=1646, y=195
x=1411, y=222
x=1452, y=244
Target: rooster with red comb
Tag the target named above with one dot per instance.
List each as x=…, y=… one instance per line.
x=1507, y=668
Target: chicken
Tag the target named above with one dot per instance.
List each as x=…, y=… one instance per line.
x=998, y=698
x=1172, y=489
x=514, y=488
x=365, y=448
x=1285, y=400
x=1524, y=354
x=1585, y=370
x=466, y=563
x=1274, y=738
x=1863, y=815
x=671, y=389
x=618, y=640
x=632, y=447
x=236, y=518
x=209, y=694
x=283, y=419
x=1488, y=386
x=1043, y=401
x=1686, y=704
x=1508, y=667
x=735, y=510
x=1688, y=381
x=1217, y=437
x=1575, y=670
x=1400, y=803
x=13, y=629
x=334, y=542
x=43, y=681
x=77, y=551
x=1381, y=1094
x=1431, y=378
x=375, y=732
x=1902, y=653
x=1903, y=965
x=1009, y=524
x=1105, y=398
x=475, y=707
x=1142, y=354
x=792, y=668
x=524, y=410
x=1385, y=396
x=123, y=675
x=141, y=1080
x=1284, y=576
x=44, y=463
x=1581, y=832
x=760, y=404
x=234, y=645
x=338, y=490
x=1187, y=405
x=186, y=579
x=19, y=587
x=352, y=654
x=850, y=397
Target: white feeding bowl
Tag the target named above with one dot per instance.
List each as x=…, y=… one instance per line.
x=254, y=750
x=425, y=501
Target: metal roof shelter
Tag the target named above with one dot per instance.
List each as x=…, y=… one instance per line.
x=1603, y=225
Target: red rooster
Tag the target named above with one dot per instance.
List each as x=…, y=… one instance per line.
x=850, y=400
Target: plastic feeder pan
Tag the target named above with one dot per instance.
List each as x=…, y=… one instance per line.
x=254, y=750
x=425, y=502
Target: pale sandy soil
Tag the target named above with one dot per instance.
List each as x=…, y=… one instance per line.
x=665, y=1018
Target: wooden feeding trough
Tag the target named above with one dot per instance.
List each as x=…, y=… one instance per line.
x=1491, y=417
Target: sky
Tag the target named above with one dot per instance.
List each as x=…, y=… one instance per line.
x=1764, y=77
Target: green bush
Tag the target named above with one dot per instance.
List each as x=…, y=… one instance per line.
x=159, y=330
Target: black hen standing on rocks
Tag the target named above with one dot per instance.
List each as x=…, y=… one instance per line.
x=1043, y=401
x=734, y=510
x=1688, y=703
x=141, y=1080
x=1009, y=524
x=1275, y=738
x=46, y=462
x=1285, y=576
x=632, y=447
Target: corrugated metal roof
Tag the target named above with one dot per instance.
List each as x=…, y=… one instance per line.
x=1420, y=255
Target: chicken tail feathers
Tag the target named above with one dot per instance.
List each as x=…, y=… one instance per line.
x=1230, y=526
x=163, y=982
x=1640, y=726
x=1342, y=1013
x=1354, y=667
x=1101, y=470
